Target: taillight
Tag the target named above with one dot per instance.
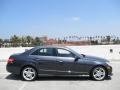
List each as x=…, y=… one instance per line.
x=11, y=60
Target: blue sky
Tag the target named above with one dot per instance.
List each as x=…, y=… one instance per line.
x=57, y=18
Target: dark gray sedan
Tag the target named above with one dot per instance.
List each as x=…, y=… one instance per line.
x=57, y=61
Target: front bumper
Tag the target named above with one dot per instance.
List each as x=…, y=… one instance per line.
x=109, y=70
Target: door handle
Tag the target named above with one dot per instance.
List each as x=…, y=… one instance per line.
x=36, y=59
x=60, y=61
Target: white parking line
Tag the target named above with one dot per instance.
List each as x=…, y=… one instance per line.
x=4, y=77
x=4, y=73
x=23, y=86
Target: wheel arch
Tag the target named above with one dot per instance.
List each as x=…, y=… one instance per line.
x=99, y=66
x=28, y=65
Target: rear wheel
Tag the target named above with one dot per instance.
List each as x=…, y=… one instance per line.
x=29, y=73
x=98, y=73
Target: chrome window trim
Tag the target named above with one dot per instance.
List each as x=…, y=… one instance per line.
x=30, y=54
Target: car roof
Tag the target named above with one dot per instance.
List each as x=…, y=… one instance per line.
x=48, y=46
x=51, y=46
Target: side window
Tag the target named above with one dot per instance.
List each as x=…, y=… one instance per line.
x=44, y=52
x=64, y=53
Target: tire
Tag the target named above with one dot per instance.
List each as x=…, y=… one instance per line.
x=29, y=73
x=98, y=73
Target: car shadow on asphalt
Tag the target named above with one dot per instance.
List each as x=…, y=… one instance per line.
x=53, y=78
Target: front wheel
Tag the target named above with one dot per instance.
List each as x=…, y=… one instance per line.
x=98, y=73
x=29, y=73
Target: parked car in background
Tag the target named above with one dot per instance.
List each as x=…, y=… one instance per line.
x=57, y=61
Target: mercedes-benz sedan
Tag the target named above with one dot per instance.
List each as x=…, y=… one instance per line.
x=57, y=61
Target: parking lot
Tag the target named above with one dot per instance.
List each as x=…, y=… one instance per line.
x=12, y=82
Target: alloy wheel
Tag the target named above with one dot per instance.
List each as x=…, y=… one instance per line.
x=99, y=73
x=29, y=73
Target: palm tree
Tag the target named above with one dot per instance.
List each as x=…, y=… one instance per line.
x=108, y=38
x=29, y=40
x=15, y=40
x=90, y=38
x=1, y=42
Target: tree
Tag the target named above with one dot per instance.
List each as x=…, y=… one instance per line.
x=6, y=43
x=29, y=40
x=116, y=41
x=90, y=38
x=15, y=41
x=37, y=42
x=1, y=42
x=108, y=38
x=23, y=41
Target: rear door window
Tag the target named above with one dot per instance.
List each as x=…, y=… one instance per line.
x=43, y=52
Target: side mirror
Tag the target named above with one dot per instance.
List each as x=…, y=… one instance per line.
x=83, y=55
x=76, y=59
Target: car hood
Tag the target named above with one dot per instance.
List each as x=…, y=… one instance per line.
x=94, y=58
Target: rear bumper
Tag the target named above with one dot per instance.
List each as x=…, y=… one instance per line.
x=13, y=69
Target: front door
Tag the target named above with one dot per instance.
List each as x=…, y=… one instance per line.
x=69, y=63
x=66, y=60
